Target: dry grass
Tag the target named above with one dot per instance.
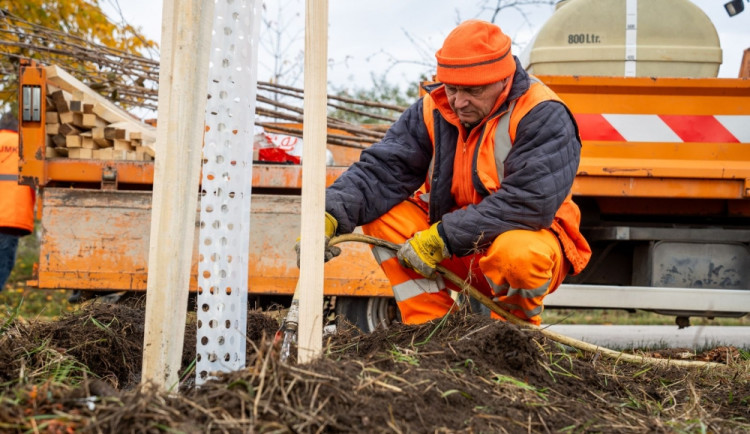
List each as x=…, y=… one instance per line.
x=463, y=374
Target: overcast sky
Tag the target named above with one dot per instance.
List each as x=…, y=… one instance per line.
x=359, y=32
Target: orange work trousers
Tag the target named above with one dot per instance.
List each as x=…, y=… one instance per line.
x=517, y=271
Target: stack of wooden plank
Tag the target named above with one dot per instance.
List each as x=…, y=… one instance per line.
x=83, y=124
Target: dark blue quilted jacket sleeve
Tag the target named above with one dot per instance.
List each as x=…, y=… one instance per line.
x=539, y=172
x=386, y=174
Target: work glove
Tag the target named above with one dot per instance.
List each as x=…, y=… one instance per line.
x=424, y=251
x=330, y=251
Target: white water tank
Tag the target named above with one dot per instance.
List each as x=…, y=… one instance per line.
x=644, y=38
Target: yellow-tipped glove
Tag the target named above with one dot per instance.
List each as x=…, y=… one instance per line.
x=424, y=251
x=330, y=251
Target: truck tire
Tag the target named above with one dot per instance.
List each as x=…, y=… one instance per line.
x=367, y=313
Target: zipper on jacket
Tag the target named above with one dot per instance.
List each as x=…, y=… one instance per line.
x=465, y=182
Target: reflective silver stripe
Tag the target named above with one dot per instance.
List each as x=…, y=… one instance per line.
x=502, y=137
x=530, y=293
x=505, y=290
x=529, y=313
x=534, y=312
x=502, y=142
x=382, y=254
x=415, y=287
x=432, y=167
x=410, y=288
x=425, y=197
x=498, y=289
x=4, y=177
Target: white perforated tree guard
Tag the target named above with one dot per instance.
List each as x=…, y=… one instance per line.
x=225, y=189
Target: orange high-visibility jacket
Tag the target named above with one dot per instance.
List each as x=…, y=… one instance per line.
x=488, y=148
x=476, y=192
x=16, y=201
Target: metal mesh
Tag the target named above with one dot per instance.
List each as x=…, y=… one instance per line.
x=225, y=189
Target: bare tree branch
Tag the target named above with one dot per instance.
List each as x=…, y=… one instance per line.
x=132, y=81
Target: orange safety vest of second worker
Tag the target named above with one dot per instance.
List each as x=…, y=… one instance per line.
x=16, y=201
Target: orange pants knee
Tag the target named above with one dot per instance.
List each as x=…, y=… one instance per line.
x=518, y=269
x=522, y=267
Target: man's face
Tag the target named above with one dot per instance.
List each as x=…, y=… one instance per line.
x=473, y=103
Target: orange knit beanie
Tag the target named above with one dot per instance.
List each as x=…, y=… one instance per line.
x=475, y=53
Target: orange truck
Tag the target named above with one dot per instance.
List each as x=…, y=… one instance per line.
x=663, y=185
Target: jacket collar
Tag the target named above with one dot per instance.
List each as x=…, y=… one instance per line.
x=521, y=82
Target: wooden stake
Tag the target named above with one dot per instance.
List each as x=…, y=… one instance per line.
x=183, y=83
x=310, y=332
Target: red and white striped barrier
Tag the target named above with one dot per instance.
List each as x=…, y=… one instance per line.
x=664, y=128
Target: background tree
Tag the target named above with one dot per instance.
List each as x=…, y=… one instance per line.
x=380, y=101
x=282, y=38
x=112, y=58
x=385, y=92
x=488, y=10
x=381, y=91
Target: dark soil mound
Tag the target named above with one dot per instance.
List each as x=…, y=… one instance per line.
x=106, y=339
x=464, y=373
